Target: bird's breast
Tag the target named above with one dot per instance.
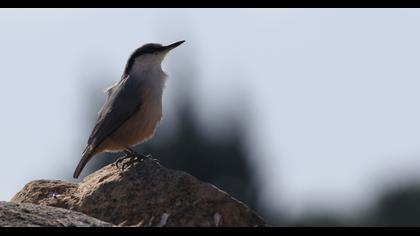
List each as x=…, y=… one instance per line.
x=142, y=124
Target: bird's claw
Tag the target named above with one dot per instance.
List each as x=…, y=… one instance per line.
x=133, y=157
x=119, y=160
x=130, y=162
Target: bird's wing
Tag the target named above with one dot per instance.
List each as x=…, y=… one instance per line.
x=112, y=88
x=122, y=102
x=108, y=91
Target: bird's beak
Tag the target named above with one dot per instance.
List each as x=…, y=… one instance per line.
x=172, y=46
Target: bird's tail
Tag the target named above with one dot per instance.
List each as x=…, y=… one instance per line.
x=87, y=154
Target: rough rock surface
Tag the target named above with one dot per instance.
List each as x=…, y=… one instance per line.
x=144, y=194
x=31, y=215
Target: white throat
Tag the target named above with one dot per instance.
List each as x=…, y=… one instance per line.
x=149, y=67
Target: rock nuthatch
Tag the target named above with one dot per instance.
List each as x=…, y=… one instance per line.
x=133, y=107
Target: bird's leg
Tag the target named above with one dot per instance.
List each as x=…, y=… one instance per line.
x=137, y=157
x=133, y=155
x=128, y=154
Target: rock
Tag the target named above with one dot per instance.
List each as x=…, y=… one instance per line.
x=27, y=214
x=143, y=194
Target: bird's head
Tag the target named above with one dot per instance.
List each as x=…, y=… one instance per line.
x=149, y=55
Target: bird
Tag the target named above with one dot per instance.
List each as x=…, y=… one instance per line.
x=133, y=106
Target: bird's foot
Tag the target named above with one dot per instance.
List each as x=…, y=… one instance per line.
x=119, y=160
x=144, y=157
x=133, y=157
x=130, y=162
x=130, y=151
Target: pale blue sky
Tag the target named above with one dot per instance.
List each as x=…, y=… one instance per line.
x=332, y=94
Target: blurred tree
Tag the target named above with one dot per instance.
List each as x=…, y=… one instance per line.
x=397, y=207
